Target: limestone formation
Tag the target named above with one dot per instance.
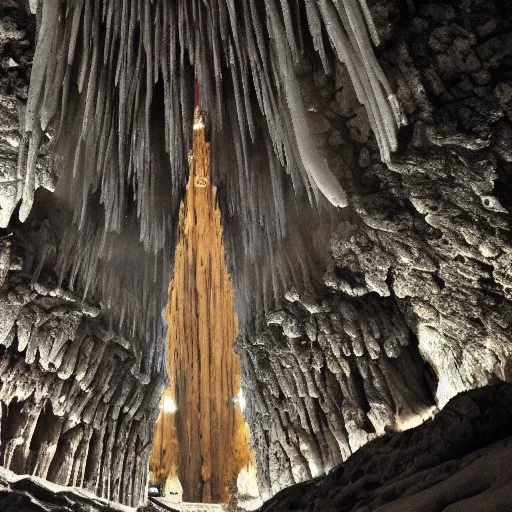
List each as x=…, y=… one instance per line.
x=71, y=390
x=22, y=493
x=456, y=462
x=324, y=379
x=419, y=270
x=361, y=152
x=204, y=441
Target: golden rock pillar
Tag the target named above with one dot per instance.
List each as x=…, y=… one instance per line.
x=204, y=441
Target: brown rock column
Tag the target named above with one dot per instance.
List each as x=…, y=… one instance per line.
x=207, y=443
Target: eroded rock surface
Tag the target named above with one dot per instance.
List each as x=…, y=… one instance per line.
x=75, y=408
x=354, y=322
x=417, y=304
x=456, y=462
x=324, y=379
x=32, y=494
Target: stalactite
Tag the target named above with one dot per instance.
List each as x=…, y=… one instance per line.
x=118, y=108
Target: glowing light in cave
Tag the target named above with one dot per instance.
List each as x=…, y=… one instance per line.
x=240, y=400
x=169, y=405
x=412, y=421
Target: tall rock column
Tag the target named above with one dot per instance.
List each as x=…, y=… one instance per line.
x=207, y=444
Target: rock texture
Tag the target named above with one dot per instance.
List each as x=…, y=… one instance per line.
x=434, y=233
x=418, y=305
x=457, y=462
x=353, y=321
x=80, y=376
x=205, y=442
x=325, y=378
x=75, y=409
x=32, y=494
x=17, y=41
x=94, y=257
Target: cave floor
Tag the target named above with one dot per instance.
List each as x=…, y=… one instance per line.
x=185, y=507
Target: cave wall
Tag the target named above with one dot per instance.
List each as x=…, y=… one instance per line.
x=435, y=235
x=81, y=375
x=324, y=378
x=353, y=321
x=417, y=305
x=75, y=408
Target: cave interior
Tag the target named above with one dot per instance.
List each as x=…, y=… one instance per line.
x=256, y=254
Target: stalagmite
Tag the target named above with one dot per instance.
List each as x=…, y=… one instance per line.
x=202, y=437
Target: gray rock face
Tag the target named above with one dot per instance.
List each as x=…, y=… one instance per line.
x=456, y=462
x=419, y=271
x=32, y=494
x=459, y=461
x=324, y=379
x=354, y=322
x=17, y=33
x=435, y=235
x=76, y=409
